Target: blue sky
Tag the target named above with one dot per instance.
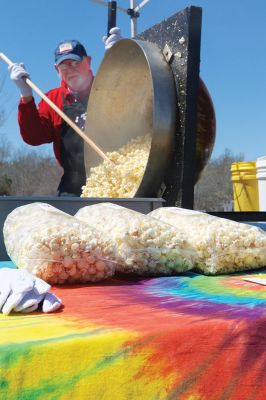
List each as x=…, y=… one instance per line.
x=233, y=57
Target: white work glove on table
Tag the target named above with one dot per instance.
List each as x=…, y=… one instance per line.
x=21, y=291
x=115, y=36
x=18, y=74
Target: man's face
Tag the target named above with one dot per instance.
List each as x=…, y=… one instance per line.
x=76, y=74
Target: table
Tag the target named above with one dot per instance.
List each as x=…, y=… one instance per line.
x=187, y=337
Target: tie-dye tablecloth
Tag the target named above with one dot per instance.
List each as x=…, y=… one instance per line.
x=188, y=337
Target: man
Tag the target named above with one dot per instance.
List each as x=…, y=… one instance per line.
x=39, y=125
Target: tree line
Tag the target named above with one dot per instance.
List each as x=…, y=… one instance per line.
x=27, y=173
x=214, y=190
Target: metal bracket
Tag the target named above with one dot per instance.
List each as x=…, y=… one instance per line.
x=132, y=13
x=161, y=190
x=167, y=52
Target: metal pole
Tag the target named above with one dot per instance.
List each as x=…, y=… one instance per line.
x=111, y=16
x=133, y=12
x=133, y=20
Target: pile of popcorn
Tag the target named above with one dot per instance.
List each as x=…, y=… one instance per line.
x=57, y=247
x=144, y=244
x=122, y=177
x=222, y=245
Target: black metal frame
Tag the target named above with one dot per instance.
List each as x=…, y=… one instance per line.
x=242, y=216
x=182, y=34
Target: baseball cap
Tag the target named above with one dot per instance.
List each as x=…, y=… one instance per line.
x=69, y=50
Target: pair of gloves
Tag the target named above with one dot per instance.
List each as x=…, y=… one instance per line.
x=18, y=72
x=20, y=291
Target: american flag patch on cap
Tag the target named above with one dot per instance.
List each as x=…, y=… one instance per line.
x=67, y=46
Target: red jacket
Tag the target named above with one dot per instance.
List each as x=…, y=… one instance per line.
x=43, y=125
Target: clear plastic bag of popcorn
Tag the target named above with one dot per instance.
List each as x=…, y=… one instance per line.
x=145, y=246
x=57, y=247
x=222, y=245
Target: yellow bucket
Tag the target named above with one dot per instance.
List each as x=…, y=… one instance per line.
x=245, y=186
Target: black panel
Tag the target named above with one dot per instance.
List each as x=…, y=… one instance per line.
x=182, y=33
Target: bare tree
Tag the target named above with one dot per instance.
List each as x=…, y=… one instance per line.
x=5, y=181
x=33, y=175
x=2, y=110
x=2, y=117
x=27, y=173
x=214, y=191
x=5, y=152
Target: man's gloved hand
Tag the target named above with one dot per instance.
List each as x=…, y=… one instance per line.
x=18, y=74
x=115, y=36
x=21, y=291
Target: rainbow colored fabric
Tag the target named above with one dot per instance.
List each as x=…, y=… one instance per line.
x=188, y=337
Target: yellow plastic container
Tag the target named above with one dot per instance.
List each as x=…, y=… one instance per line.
x=245, y=186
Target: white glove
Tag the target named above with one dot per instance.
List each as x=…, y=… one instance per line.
x=115, y=36
x=31, y=301
x=18, y=74
x=22, y=291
